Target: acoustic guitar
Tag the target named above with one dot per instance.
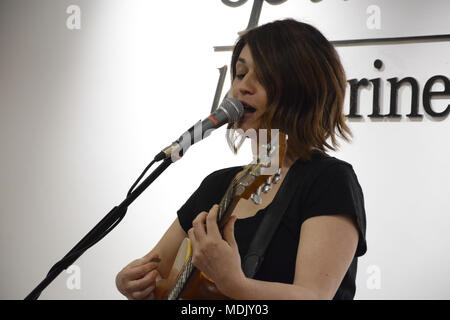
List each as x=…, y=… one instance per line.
x=186, y=282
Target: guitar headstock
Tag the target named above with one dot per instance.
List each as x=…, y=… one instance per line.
x=257, y=176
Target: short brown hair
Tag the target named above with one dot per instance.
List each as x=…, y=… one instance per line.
x=305, y=83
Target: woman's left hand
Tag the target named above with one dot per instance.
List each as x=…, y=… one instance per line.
x=215, y=256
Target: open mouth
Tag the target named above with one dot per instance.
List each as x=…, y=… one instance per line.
x=248, y=109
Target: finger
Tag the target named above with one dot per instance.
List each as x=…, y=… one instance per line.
x=152, y=257
x=138, y=272
x=199, y=226
x=192, y=238
x=211, y=222
x=137, y=262
x=228, y=232
x=144, y=283
x=144, y=294
x=151, y=296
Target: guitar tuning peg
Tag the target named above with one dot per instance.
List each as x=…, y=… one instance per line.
x=256, y=197
x=277, y=176
x=267, y=186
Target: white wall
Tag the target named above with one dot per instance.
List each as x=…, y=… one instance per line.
x=82, y=112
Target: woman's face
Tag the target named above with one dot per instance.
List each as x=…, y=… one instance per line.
x=247, y=89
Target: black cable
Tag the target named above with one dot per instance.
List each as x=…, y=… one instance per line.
x=105, y=226
x=140, y=177
x=88, y=242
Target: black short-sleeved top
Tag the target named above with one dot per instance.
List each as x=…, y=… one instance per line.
x=331, y=187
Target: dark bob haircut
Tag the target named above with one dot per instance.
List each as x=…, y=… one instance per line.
x=305, y=83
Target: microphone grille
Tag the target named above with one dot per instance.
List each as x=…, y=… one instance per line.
x=234, y=108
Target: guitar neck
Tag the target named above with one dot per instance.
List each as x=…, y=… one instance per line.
x=226, y=207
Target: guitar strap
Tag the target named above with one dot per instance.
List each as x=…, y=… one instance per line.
x=275, y=212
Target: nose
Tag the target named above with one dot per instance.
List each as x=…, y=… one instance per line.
x=247, y=85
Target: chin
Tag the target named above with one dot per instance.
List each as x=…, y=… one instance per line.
x=248, y=126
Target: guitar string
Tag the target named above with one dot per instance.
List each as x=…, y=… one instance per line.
x=188, y=267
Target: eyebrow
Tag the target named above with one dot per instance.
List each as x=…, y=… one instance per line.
x=242, y=60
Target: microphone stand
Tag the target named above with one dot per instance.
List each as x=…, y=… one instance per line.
x=102, y=228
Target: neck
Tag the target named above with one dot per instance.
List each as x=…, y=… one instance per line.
x=287, y=163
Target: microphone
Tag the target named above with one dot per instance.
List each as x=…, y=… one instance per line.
x=230, y=111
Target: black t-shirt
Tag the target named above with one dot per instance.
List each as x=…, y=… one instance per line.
x=331, y=187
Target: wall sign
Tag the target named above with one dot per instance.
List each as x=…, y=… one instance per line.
x=373, y=22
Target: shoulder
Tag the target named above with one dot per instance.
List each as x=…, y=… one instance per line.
x=323, y=167
x=209, y=192
x=218, y=181
x=225, y=172
x=221, y=177
x=333, y=175
x=336, y=169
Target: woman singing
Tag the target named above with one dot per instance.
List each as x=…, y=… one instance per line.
x=288, y=77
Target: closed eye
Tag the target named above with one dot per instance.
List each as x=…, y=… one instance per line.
x=240, y=76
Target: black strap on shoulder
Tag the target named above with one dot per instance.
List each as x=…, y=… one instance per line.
x=274, y=214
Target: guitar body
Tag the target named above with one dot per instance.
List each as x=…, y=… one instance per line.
x=197, y=287
x=200, y=287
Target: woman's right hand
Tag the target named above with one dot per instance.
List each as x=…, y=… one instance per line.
x=137, y=281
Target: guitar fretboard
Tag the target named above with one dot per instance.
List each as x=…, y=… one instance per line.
x=188, y=267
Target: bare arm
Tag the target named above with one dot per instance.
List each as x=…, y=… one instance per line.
x=167, y=247
x=326, y=249
x=138, y=279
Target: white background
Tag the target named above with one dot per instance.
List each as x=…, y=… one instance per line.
x=82, y=112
